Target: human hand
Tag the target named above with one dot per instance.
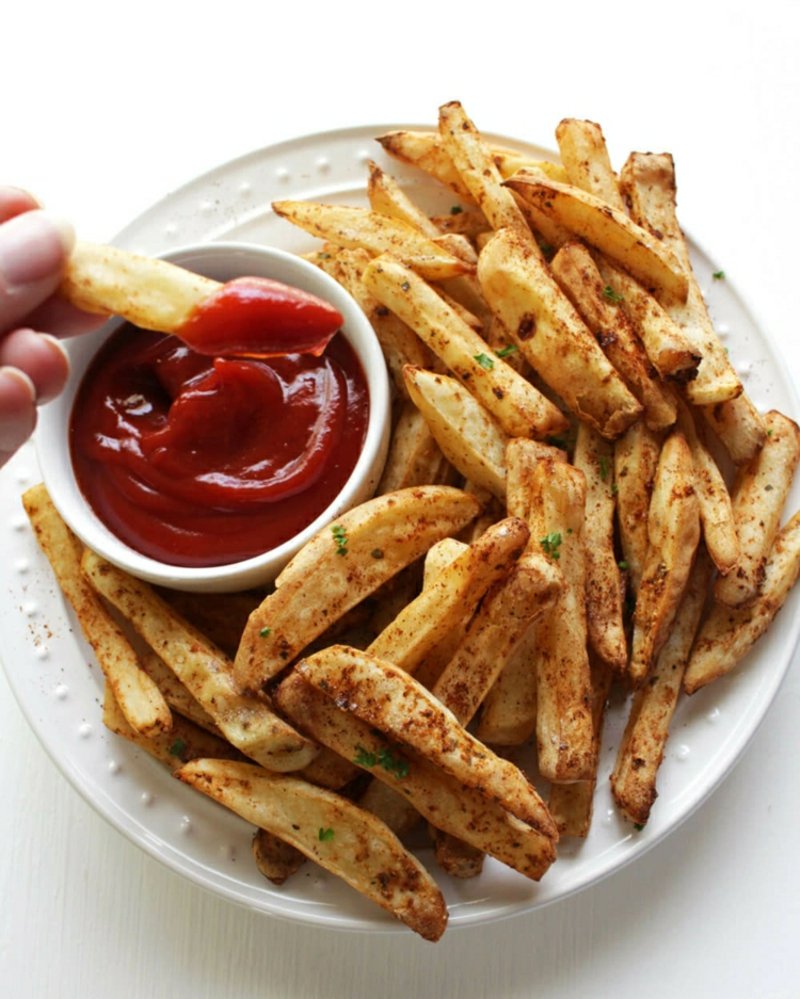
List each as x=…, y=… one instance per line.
x=34, y=247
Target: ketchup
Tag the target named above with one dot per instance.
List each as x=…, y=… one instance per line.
x=199, y=461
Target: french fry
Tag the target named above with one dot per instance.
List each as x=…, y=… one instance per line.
x=606, y=229
x=247, y=722
x=220, y=616
x=341, y=566
x=508, y=713
x=635, y=461
x=442, y=605
x=522, y=457
x=472, y=158
x=462, y=811
x=361, y=228
x=673, y=531
x=175, y=694
x=141, y=702
x=518, y=408
x=633, y=780
x=456, y=857
x=586, y=162
x=564, y=731
x=594, y=456
x=759, y=497
x=551, y=335
x=385, y=697
x=330, y=830
x=414, y=457
x=387, y=197
x=276, y=860
x=469, y=438
x=577, y=274
x=728, y=633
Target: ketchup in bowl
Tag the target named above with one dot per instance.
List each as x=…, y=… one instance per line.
x=196, y=460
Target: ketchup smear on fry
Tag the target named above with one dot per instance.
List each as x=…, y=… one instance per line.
x=200, y=460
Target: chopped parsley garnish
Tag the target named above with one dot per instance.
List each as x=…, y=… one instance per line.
x=611, y=295
x=614, y=489
x=602, y=463
x=385, y=757
x=364, y=758
x=377, y=553
x=340, y=538
x=456, y=209
x=326, y=834
x=718, y=275
x=551, y=543
x=622, y=564
x=265, y=632
x=485, y=361
x=638, y=826
x=178, y=748
x=506, y=351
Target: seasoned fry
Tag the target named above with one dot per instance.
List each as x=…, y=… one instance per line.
x=360, y=228
x=577, y=274
x=141, y=702
x=387, y=198
x=728, y=633
x=673, y=531
x=564, y=731
x=147, y=291
x=516, y=405
x=635, y=461
x=607, y=229
x=276, y=860
x=633, y=780
x=551, y=335
x=522, y=457
x=339, y=567
x=414, y=457
x=586, y=161
x=332, y=831
x=758, y=500
x=247, y=722
x=508, y=713
x=469, y=438
x=384, y=696
x=175, y=694
x=604, y=586
x=461, y=811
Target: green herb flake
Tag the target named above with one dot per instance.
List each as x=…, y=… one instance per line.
x=364, y=758
x=377, y=553
x=326, y=834
x=638, y=826
x=614, y=489
x=551, y=543
x=622, y=564
x=485, y=361
x=265, y=632
x=395, y=765
x=340, y=539
x=718, y=275
x=602, y=464
x=178, y=748
x=769, y=433
x=506, y=351
x=456, y=209
x=611, y=295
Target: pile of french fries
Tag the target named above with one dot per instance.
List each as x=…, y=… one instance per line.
x=578, y=494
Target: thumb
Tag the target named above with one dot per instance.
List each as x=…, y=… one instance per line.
x=34, y=248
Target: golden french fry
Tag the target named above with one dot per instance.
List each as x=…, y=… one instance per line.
x=552, y=336
x=472, y=158
x=469, y=438
x=759, y=497
x=140, y=700
x=387, y=197
x=594, y=456
x=633, y=780
x=147, y=291
x=518, y=408
x=413, y=786
x=414, y=457
x=728, y=633
x=635, y=462
x=564, y=731
x=522, y=457
x=276, y=859
x=330, y=830
x=339, y=567
x=586, y=161
x=673, y=531
x=576, y=272
x=607, y=229
x=387, y=698
x=361, y=228
x=442, y=605
x=456, y=857
x=175, y=694
x=508, y=713
x=247, y=722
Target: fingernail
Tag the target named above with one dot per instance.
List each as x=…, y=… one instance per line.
x=32, y=246
x=17, y=408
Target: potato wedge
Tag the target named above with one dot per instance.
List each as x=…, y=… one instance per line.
x=140, y=701
x=387, y=197
x=607, y=229
x=361, y=228
x=414, y=458
x=759, y=497
x=552, y=336
x=635, y=461
x=339, y=567
x=508, y=713
x=728, y=633
x=673, y=531
x=247, y=722
x=276, y=860
x=519, y=409
x=332, y=831
x=586, y=161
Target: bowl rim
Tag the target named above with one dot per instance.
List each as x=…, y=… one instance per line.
x=52, y=431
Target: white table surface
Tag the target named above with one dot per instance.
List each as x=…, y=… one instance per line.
x=107, y=108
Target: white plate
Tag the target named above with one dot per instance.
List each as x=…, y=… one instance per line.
x=58, y=685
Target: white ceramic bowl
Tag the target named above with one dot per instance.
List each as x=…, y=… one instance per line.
x=222, y=261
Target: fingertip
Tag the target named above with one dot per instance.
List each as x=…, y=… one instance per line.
x=40, y=358
x=17, y=409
